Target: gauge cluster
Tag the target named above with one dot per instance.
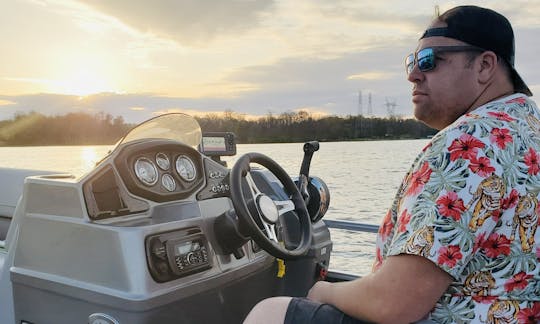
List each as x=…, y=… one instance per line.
x=148, y=172
x=161, y=172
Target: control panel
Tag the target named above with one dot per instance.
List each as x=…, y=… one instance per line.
x=176, y=254
x=217, y=181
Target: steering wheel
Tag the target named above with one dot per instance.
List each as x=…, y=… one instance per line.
x=261, y=222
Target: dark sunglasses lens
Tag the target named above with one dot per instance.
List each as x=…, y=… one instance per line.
x=426, y=59
x=409, y=63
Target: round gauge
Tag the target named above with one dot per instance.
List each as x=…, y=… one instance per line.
x=162, y=161
x=167, y=181
x=186, y=168
x=146, y=171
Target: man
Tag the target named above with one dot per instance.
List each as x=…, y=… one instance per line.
x=460, y=243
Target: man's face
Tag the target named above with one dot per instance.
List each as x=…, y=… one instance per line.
x=448, y=91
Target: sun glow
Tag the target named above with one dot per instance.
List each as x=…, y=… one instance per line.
x=82, y=83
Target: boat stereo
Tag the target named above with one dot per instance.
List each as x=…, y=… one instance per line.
x=172, y=255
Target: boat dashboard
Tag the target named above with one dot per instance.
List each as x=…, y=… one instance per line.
x=176, y=193
x=160, y=222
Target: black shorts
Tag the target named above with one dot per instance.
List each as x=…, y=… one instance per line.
x=305, y=311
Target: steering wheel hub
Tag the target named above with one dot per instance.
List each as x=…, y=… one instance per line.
x=267, y=208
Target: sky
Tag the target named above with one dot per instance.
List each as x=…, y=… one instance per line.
x=137, y=59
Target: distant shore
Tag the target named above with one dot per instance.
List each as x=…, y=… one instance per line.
x=35, y=129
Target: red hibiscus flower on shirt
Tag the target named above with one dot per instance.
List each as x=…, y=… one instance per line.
x=484, y=299
x=465, y=147
x=532, y=159
x=450, y=205
x=449, y=255
x=481, y=166
x=501, y=116
x=529, y=315
x=418, y=179
x=403, y=220
x=386, y=227
x=500, y=136
x=479, y=241
x=495, y=245
x=510, y=201
x=519, y=100
x=518, y=281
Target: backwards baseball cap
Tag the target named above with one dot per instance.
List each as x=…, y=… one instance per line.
x=484, y=28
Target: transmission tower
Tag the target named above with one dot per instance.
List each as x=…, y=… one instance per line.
x=370, y=108
x=390, y=106
x=360, y=108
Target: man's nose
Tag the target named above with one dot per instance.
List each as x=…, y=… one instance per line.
x=415, y=75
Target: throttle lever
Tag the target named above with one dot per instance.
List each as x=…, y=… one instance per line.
x=309, y=148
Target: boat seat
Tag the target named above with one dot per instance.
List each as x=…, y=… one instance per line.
x=11, y=188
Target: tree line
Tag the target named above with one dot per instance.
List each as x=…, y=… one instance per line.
x=70, y=129
x=85, y=129
x=302, y=126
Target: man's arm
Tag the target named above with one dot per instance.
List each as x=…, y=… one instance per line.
x=402, y=290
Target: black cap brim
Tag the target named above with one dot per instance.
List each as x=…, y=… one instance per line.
x=519, y=84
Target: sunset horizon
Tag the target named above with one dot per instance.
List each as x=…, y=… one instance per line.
x=254, y=58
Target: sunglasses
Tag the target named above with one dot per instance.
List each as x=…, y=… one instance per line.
x=426, y=57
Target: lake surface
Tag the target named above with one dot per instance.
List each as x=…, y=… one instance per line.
x=362, y=177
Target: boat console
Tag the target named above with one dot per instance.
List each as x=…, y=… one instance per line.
x=162, y=231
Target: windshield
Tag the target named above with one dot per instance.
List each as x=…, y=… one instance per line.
x=178, y=127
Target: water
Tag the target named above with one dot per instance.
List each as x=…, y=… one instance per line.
x=362, y=177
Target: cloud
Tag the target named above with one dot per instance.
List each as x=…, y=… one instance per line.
x=373, y=75
x=187, y=21
x=6, y=102
x=378, y=14
x=305, y=81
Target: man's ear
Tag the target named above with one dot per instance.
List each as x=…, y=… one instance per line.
x=487, y=65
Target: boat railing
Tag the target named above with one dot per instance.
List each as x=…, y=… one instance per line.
x=339, y=275
x=351, y=226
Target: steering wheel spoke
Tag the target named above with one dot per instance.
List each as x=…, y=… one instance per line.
x=252, y=186
x=284, y=206
x=271, y=231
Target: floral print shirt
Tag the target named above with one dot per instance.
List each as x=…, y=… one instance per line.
x=470, y=205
